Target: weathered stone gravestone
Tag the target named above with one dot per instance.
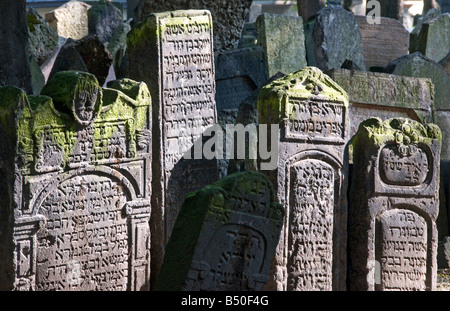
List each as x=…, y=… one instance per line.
x=87, y=54
x=394, y=205
x=432, y=37
x=228, y=16
x=104, y=17
x=238, y=74
x=384, y=42
x=333, y=37
x=283, y=40
x=419, y=66
x=173, y=53
x=225, y=236
x=310, y=180
x=70, y=20
x=76, y=171
x=42, y=39
x=385, y=95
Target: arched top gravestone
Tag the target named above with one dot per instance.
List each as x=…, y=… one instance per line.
x=224, y=237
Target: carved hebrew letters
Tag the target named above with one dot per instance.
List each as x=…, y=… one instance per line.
x=402, y=250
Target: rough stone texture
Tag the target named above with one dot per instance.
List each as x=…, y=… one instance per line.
x=443, y=258
x=173, y=53
x=432, y=38
x=385, y=95
x=392, y=8
x=87, y=54
x=445, y=63
x=394, y=205
x=76, y=185
x=224, y=237
x=118, y=44
x=384, y=42
x=238, y=74
x=419, y=66
x=42, y=39
x=228, y=16
x=103, y=19
x=332, y=37
x=309, y=8
x=283, y=40
x=70, y=20
x=312, y=113
x=14, y=62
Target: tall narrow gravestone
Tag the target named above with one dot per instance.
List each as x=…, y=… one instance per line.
x=173, y=53
x=394, y=205
x=310, y=180
x=224, y=237
x=76, y=173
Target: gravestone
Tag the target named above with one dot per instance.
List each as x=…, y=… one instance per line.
x=118, y=44
x=173, y=53
x=283, y=40
x=103, y=19
x=310, y=180
x=394, y=205
x=392, y=8
x=70, y=20
x=384, y=42
x=42, y=39
x=385, y=95
x=309, y=8
x=419, y=66
x=76, y=185
x=432, y=37
x=87, y=54
x=224, y=237
x=333, y=37
x=238, y=74
x=445, y=63
x=228, y=16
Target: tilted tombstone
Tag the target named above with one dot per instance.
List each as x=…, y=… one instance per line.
x=432, y=37
x=383, y=42
x=333, y=37
x=70, y=20
x=394, y=205
x=283, y=40
x=76, y=185
x=310, y=180
x=173, y=53
x=385, y=95
x=238, y=74
x=224, y=237
x=228, y=16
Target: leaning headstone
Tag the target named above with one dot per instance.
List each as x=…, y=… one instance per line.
x=228, y=16
x=42, y=39
x=70, y=20
x=283, y=40
x=309, y=8
x=173, y=53
x=385, y=95
x=87, y=54
x=225, y=237
x=77, y=172
x=384, y=42
x=238, y=74
x=332, y=37
x=394, y=205
x=419, y=66
x=310, y=179
x=103, y=19
x=432, y=38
